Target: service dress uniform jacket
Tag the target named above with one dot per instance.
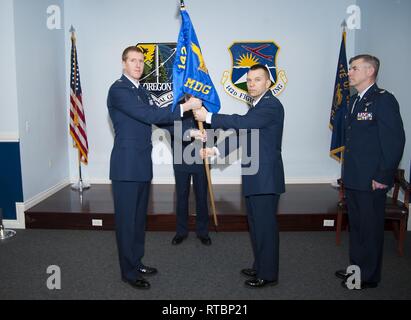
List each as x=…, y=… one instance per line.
x=374, y=140
x=132, y=113
x=374, y=144
x=263, y=188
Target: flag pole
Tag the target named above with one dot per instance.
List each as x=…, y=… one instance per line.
x=344, y=34
x=206, y=163
x=80, y=185
x=210, y=186
x=344, y=30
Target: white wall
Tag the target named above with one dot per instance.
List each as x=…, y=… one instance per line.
x=35, y=71
x=41, y=81
x=385, y=33
x=8, y=92
x=308, y=33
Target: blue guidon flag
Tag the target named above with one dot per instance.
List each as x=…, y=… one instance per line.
x=340, y=104
x=190, y=74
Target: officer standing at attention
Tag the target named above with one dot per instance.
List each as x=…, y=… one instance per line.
x=374, y=144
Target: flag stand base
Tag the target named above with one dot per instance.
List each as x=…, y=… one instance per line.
x=80, y=186
x=5, y=233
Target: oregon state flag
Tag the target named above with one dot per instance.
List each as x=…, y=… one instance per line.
x=190, y=74
x=340, y=104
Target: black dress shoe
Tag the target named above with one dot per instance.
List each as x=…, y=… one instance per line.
x=205, y=240
x=259, y=283
x=178, y=239
x=342, y=274
x=148, y=271
x=249, y=272
x=364, y=285
x=139, y=283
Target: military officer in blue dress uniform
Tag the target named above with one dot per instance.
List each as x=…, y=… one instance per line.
x=374, y=144
x=261, y=189
x=132, y=113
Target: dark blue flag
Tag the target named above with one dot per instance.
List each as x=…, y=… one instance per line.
x=190, y=74
x=340, y=104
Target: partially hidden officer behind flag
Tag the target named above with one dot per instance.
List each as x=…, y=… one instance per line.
x=186, y=142
x=374, y=144
x=261, y=189
x=132, y=113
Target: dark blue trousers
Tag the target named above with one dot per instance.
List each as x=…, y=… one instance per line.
x=265, y=240
x=130, y=207
x=366, y=211
x=183, y=184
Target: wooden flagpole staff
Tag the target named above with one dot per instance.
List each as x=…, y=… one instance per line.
x=210, y=187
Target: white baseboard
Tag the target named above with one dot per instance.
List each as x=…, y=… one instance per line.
x=310, y=180
x=21, y=207
x=168, y=180
x=92, y=181
x=221, y=180
x=19, y=223
x=164, y=180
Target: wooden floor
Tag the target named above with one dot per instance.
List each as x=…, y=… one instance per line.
x=303, y=207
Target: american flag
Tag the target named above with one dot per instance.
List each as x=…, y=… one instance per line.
x=77, y=116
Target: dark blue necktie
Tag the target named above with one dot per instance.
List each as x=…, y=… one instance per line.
x=356, y=101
